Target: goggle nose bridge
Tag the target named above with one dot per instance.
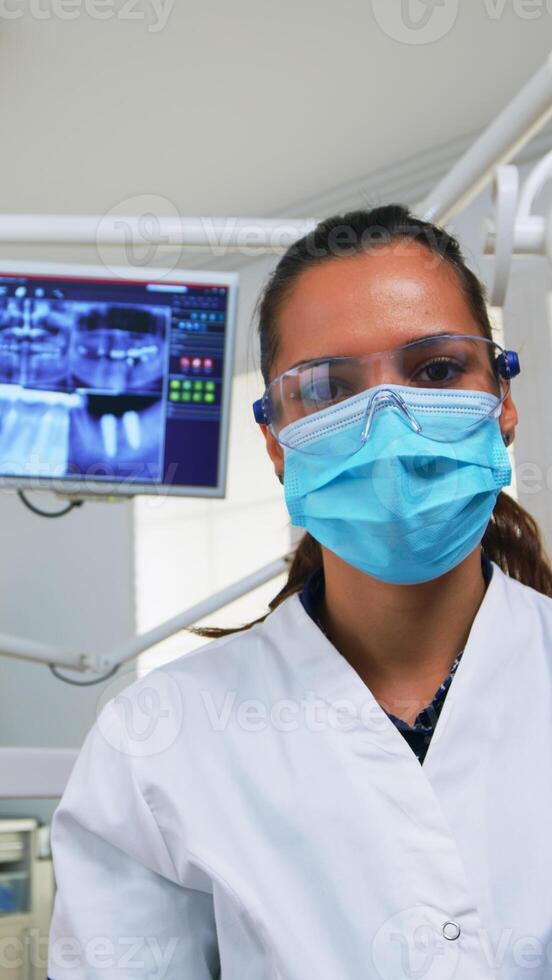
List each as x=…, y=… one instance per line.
x=395, y=400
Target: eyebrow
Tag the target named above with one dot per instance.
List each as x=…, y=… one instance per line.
x=411, y=340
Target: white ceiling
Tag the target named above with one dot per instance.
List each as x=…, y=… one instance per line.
x=241, y=107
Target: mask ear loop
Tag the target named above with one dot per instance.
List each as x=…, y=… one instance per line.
x=383, y=396
x=497, y=411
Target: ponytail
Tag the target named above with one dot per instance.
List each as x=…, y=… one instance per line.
x=306, y=558
x=514, y=542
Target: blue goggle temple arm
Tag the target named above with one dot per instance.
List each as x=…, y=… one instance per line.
x=259, y=412
x=507, y=364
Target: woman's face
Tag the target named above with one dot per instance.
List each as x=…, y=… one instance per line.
x=368, y=303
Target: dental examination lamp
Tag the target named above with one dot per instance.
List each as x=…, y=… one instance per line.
x=514, y=229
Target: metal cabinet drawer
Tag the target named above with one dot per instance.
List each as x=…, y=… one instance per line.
x=12, y=847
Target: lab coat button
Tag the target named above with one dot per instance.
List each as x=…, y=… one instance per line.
x=451, y=930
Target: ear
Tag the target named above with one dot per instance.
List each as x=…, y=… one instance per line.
x=508, y=419
x=274, y=450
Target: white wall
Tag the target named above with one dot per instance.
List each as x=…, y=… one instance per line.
x=185, y=550
x=68, y=582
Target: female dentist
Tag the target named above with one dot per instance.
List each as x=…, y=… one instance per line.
x=360, y=783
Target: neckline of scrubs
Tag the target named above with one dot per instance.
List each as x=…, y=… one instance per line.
x=336, y=683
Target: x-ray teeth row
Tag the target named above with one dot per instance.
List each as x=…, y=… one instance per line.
x=65, y=344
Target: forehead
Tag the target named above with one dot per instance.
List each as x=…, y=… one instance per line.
x=370, y=302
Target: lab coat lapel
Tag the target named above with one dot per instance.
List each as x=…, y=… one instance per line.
x=387, y=792
x=490, y=767
x=467, y=713
x=467, y=824
x=493, y=637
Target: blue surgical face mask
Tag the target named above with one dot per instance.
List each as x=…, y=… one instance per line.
x=403, y=508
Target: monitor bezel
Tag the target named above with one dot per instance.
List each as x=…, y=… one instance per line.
x=91, y=489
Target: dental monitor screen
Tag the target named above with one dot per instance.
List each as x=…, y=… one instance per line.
x=114, y=383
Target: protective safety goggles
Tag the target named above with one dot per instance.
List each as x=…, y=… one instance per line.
x=417, y=379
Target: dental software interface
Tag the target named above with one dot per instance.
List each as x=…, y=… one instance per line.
x=110, y=381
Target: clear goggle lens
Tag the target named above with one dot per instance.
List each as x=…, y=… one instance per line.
x=415, y=380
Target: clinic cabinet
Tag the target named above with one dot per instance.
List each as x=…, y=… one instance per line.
x=26, y=899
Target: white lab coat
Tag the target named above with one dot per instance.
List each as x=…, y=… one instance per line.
x=269, y=822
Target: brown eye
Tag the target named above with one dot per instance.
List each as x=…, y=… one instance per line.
x=323, y=390
x=439, y=371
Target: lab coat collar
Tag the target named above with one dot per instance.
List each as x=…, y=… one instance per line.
x=350, y=705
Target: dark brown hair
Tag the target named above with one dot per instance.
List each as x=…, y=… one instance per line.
x=512, y=538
